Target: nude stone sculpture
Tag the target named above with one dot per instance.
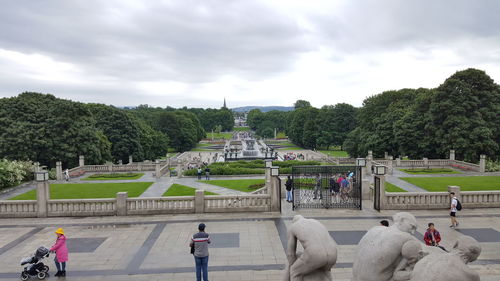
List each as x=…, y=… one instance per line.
x=320, y=251
x=412, y=252
x=452, y=266
x=380, y=251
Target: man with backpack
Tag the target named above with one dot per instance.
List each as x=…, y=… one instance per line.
x=455, y=206
x=288, y=187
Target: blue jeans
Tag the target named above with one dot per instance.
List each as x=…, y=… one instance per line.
x=201, y=265
x=289, y=196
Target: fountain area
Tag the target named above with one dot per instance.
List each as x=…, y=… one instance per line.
x=244, y=146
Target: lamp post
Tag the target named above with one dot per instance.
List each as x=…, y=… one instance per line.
x=379, y=170
x=361, y=162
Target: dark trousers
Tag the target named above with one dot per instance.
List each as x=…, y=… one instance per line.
x=61, y=266
x=201, y=266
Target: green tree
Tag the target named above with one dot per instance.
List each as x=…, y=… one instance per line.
x=301, y=104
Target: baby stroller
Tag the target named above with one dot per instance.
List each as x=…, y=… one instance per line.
x=35, y=268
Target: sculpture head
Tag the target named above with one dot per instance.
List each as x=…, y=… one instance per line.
x=297, y=218
x=468, y=248
x=412, y=251
x=405, y=222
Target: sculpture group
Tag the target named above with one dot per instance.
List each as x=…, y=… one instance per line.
x=383, y=254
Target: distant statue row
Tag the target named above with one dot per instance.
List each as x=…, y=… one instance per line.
x=383, y=254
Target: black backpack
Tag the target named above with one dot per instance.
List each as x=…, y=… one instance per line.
x=459, y=205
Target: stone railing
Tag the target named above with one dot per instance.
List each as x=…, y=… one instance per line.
x=18, y=208
x=465, y=165
x=480, y=199
x=160, y=205
x=81, y=207
x=262, y=190
x=237, y=203
x=76, y=172
x=164, y=170
x=410, y=163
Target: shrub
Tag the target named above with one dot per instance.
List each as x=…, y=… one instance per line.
x=492, y=166
x=14, y=172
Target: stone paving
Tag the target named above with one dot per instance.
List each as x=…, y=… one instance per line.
x=246, y=246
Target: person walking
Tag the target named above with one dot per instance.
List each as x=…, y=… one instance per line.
x=66, y=174
x=317, y=187
x=199, y=248
x=207, y=173
x=199, y=173
x=453, y=210
x=61, y=251
x=288, y=187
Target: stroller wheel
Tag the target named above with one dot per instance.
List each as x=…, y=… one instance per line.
x=24, y=276
x=41, y=275
x=45, y=269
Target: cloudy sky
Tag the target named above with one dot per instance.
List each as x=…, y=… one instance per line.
x=268, y=52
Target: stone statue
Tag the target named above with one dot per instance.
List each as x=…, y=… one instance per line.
x=452, y=266
x=412, y=252
x=380, y=251
x=320, y=251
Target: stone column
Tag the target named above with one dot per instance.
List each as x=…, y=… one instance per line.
x=426, y=161
x=386, y=155
x=452, y=155
x=120, y=162
x=365, y=190
x=179, y=170
x=199, y=201
x=370, y=155
x=456, y=189
x=121, y=203
x=390, y=169
x=42, y=196
x=130, y=159
x=368, y=167
x=157, y=169
x=59, y=173
x=267, y=181
x=81, y=161
x=110, y=167
x=36, y=167
x=382, y=192
x=482, y=163
x=275, y=193
x=398, y=162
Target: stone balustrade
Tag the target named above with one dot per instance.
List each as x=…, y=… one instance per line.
x=237, y=203
x=164, y=170
x=465, y=166
x=18, y=209
x=81, y=207
x=160, y=205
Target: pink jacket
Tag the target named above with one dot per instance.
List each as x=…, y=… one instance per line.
x=61, y=249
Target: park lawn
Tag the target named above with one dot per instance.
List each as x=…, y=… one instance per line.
x=114, y=176
x=182, y=190
x=226, y=136
x=389, y=187
x=244, y=185
x=89, y=190
x=423, y=171
x=335, y=153
x=471, y=183
x=281, y=135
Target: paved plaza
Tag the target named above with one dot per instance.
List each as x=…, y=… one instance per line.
x=245, y=246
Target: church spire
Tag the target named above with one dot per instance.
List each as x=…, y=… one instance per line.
x=224, y=106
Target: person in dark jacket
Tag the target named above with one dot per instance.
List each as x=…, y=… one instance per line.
x=288, y=187
x=200, y=243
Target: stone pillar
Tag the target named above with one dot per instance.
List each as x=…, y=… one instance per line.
x=81, y=161
x=157, y=169
x=456, y=189
x=382, y=192
x=110, y=167
x=42, y=196
x=59, y=172
x=482, y=163
x=368, y=167
x=36, y=167
x=365, y=190
x=370, y=155
x=199, y=201
x=131, y=159
x=398, y=162
x=267, y=181
x=179, y=170
x=426, y=161
x=275, y=193
x=386, y=155
x=120, y=162
x=121, y=203
x=390, y=169
x=452, y=155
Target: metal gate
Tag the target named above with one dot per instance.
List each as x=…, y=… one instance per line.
x=376, y=194
x=326, y=187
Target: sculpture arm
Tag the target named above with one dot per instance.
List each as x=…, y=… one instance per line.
x=401, y=274
x=291, y=248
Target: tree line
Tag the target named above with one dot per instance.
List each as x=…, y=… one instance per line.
x=46, y=129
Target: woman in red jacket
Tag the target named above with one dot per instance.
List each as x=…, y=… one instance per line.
x=432, y=236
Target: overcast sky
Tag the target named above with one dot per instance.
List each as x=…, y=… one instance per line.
x=195, y=53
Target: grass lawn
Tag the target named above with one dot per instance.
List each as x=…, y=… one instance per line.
x=389, y=187
x=335, y=153
x=245, y=185
x=182, y=190
x=241, y=129
x=114, y=176
x=423, y=171
x=473, y=183
x=280, y=135
x=89, y=190
x=226, y=136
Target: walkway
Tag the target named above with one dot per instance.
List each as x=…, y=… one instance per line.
x=245, y=246
x=404, y=184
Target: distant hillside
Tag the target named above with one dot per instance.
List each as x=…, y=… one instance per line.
x=262, y=108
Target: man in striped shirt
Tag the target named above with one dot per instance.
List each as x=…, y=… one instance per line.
x=200, y=243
